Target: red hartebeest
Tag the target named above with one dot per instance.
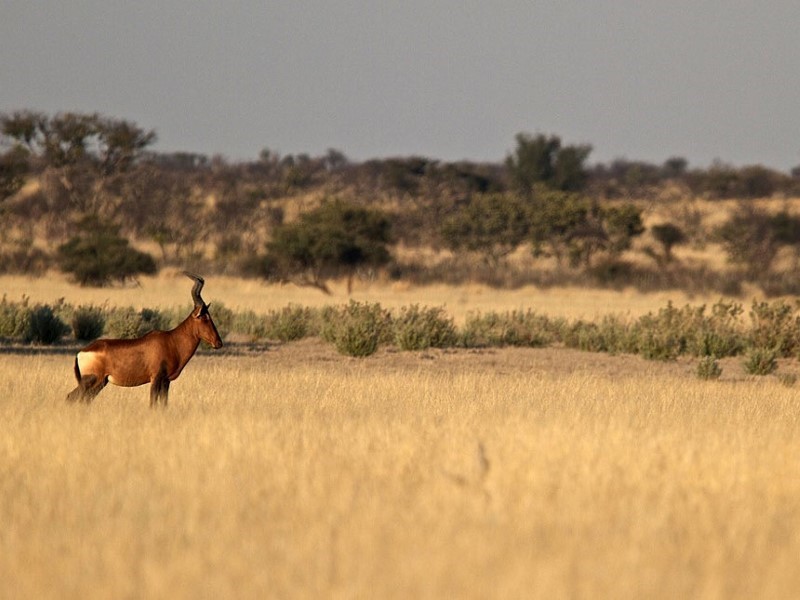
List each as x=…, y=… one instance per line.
x=156, y=358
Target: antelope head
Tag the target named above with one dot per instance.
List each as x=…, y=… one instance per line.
x=203, y=324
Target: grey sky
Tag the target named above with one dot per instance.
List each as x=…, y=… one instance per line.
x=646, y=80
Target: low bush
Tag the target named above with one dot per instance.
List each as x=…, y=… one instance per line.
x=708, y=368
x=88, y=323
x=515, y=328
x=689, y=330
x=612, y=334
x=43, y=326
x=13, y=318
x=420, y=328
x=249, y=324
x=289, y=323
x=775, y=325
x=356, y=329
x=130, y=323
x=761, y=361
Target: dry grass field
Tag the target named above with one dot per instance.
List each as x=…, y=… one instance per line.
x=299, y=473
x=295, y=472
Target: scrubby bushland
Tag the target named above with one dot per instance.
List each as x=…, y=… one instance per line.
x=768, y=332
x=689, y=330
x=30, y=324
x=251, y=217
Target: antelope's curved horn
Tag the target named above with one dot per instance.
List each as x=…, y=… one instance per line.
x=198, y=285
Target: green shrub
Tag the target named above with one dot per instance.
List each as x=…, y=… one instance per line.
x=130, y=323
x=13, y=318
x=515, y=328
x=43, y=326
x=420, y=328
x=249, y=324
x=88, y=323
x=718, y=335
x=658, y=337
x=356, y=329
x=689, y=330
x=612, y=334
x=708, y=368
x=761, y=361
x=774, y=325
x=288, y=324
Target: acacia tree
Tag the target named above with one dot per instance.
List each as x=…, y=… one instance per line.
x=566, y=225
x=493, y=225
x=79, y=154
x=334, y=239
x=98, y=255
x=69, y=138
x=668, y=235
x=559, y=223
x=752, y=237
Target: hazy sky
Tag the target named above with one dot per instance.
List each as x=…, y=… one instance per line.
x=645, y=80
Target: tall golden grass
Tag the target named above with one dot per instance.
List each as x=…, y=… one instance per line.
x=300, y=473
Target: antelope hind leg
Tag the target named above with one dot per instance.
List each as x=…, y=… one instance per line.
x=159, y=389
x=88, y=387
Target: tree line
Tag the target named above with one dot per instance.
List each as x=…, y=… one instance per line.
x=76, y=189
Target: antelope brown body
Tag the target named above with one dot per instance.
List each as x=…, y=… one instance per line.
x=156, y=358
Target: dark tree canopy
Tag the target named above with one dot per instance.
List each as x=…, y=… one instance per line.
x=70, y=138
x=493, y=225
x=98, y=255
x=335, y=238
x=543, y=160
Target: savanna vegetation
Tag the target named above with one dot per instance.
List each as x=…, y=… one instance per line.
x=524, y=424
x=761, y=333
x=86, y=194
